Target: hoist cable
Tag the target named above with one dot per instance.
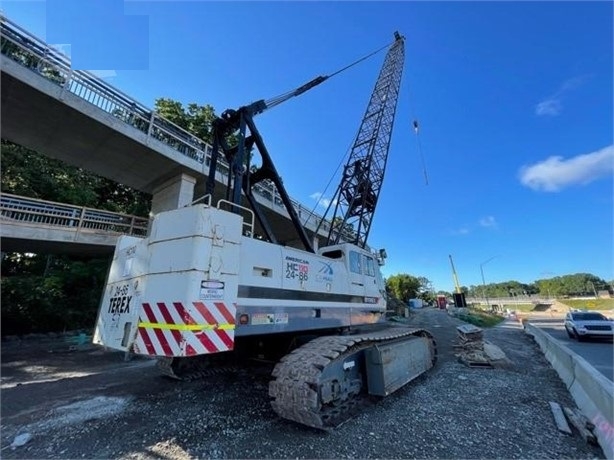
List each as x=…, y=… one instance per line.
x=418, y=143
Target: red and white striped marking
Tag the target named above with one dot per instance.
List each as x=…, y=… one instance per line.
x=178, y=330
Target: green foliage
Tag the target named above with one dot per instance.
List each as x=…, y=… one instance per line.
x=403, y=286
x=572, y=285
x=196, y=119
x=481, y=318
x=505, y=289
x=578, y=284
x=32, y=61
x=42, y=293
x=28, y=173
x=589, y=304
x=45, y=293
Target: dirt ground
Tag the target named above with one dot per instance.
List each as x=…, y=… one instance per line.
x=93, y=404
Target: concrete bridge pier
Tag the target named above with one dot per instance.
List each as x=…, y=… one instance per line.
x=176, y=192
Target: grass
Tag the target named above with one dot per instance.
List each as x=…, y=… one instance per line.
x=589, y=304
x=481, y=318
x=520, y=307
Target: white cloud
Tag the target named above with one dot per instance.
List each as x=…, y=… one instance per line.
x=460, y=231
x=488, y=221
x=553, y=105
x=556, y=173
x=549, y=107
x=104, y=73
x=322, y=201
x=64, y=48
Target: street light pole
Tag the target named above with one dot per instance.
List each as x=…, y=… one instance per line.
x=485, y=295
x=594, y=290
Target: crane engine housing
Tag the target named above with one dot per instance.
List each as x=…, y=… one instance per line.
x=196, y=283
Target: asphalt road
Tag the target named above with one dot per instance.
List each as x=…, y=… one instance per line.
x=598, y=352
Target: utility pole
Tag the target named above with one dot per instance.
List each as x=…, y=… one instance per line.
x=594, y=290
x=484, y=281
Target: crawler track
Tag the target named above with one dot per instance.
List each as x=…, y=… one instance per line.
x=195, y=368
x=295, y=390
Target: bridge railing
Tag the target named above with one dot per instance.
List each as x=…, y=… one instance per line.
x=41, y=212
x=36, y=55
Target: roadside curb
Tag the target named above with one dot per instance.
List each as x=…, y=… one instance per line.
x=592, y=392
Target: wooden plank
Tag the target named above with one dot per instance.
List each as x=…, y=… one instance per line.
x=468, y=329
x=559, y=418
x=580, y=425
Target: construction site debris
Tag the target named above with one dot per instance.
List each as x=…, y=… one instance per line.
x=473, y=351
x=578, y=421
x=469, y=333
x=559, y=418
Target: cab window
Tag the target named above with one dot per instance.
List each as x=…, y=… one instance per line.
x=369, y=267
x=355, y=265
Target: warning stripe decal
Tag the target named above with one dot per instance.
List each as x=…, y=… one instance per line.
x=223, y=336
x=158, y=332
x=177, y=330
x=169, y=319
x=225, y=313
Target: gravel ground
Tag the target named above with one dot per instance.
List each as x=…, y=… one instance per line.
x=94, y=405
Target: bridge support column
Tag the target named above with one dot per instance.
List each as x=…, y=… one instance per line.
x=174, y=193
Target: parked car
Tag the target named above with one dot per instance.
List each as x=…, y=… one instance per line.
x=584, y=324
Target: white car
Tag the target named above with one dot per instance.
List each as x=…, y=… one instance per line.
x=584, y=324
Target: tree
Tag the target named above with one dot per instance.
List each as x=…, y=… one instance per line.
x=28, y=173
x=196, y=119
x=426, y=291
x=40, y=292
x=569, y=285
x=403, y=286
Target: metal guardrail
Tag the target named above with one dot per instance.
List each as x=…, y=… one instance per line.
x=41, y=212
x=509, y=300
x=33, y=53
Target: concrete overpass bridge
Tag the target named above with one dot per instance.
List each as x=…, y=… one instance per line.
x=82, y=120
x=31, y=225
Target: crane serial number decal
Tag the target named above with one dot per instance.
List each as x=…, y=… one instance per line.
x=297, y=268
x=120, y=300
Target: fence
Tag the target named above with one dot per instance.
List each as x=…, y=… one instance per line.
x=41, y=212
x=36, y=55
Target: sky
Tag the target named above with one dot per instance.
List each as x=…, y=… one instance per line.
x=514, y=101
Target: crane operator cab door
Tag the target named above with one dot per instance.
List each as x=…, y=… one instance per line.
x=372, y=277
x=356, y=273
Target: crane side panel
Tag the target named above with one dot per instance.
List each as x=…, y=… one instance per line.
x=119, y=307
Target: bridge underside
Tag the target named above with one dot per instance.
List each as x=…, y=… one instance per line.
x=40, y=115
x=19, y=237
x=56, y=247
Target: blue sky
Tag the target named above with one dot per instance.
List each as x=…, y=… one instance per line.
x=514, y=101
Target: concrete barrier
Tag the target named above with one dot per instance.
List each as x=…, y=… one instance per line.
x=592, y=392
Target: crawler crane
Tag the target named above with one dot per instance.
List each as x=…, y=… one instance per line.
x=202, y=291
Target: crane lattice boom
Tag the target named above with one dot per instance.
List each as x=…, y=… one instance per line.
x=356, y=197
